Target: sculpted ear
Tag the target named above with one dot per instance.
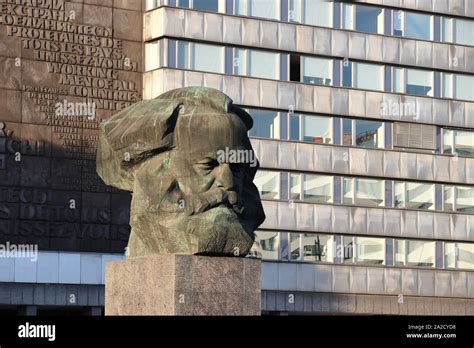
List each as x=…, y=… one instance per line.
x=132, y=136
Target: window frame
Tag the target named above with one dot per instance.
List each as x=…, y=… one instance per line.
x=404, y=24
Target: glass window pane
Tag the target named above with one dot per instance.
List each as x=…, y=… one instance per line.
x=317, y=188
x=370, y=250
x=450, y=255
x=418, y=25
x=369, y=134
x=419, y=82
x=346, y=73
x=269, y=244
x=420, y=253
x=369, y=19
x=398, y=23
x=208, y=58
x=295, y=186
x=317, y=129
x=368, y=76
x=294, y=239
x=318, y=247
x=464, y=87
x=294, y=14
x=240, y=61
x=183, y=3
x=398, y=80
x=266, y=124
x=317, y=71
x=447, y=85
x=419, y=196
x=464, y=31
x=348, y=243
x=399, y=195
x=295, y=127
x=464, y=143
x=318, y=12
x=465, y=255
x=347, y=17
x=183, y=55
x=240, y=7
x=448, y=198
x=206, y=5
x=264, y=9
x=369, y=192
x=268, y=184
x=465, y=199
x=347, y=132
x=263, y=64
x=446, y=31
x=448, y=138
x=348, y=190
x=399, y=252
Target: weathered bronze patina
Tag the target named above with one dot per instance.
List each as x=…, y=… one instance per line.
x=187, y=197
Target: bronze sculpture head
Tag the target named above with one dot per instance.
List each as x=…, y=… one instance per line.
x=187, y=158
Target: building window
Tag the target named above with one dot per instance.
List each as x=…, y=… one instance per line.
x=203, y=5
x=257, y=63
x=413, y=25
x=257, y=8
x=363, y=133
x=269, y=244
x=458, y=198
x=295, y=186
x=318, y=247
x=312, y=12
x=459, y=31
x=368, y=76
x=364, y=192
x=268, y=184
x=458, y=142
x=457, y=86
x=266, y=124
x=317, y=71
x=367, y=19
x=200, y=57
x=317, y=188
x=413, y=195
x=413, y=81
x=459, y=255
x=295, y=246
x=415, y=253
x=317, y=129
x=364, y=250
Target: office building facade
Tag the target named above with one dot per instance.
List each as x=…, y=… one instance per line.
x=364, y=128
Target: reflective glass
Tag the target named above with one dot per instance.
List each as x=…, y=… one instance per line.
x=295, y=186
x=317, y=129
x=419, y=196
x=418, y=25
x=369, y=192
x=317, y=71
x=465, y=199
x=318, y=247
x=419, y=82
x=295, y=252
x=369, y=134
x=264, y=8
x=269, y=244
x=317, y=188
x=206, y=5
x=464, y=31
x=263, y=64
x=266, y=124
x=370, y=251
x=464, y=87
x=369, y=19
x=208, y=58
x=318, y=12
x=268, y=184
x=368, y=76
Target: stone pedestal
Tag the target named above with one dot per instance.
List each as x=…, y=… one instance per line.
x=183, y=285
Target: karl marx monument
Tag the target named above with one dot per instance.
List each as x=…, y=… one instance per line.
x=186, y=158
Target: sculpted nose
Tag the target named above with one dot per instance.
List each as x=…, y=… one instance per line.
x=224, y=177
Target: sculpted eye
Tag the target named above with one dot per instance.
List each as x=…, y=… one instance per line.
x=205, y=166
